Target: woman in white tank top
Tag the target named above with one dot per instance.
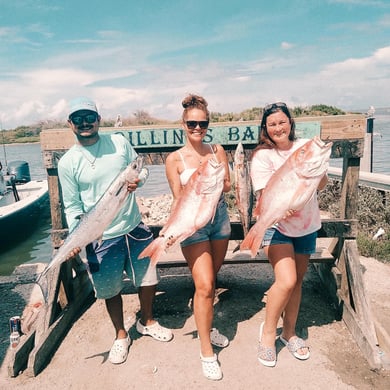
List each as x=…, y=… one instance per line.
x=205, y=250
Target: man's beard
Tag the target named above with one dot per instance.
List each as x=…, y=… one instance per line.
x=86, y=136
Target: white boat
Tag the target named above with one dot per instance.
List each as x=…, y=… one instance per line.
x=21, y=202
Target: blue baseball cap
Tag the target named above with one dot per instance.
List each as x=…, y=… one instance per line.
x=82, y=103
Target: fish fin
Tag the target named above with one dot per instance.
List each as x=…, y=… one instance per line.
x=154, y=250
x=252, y=241
x=42, y=275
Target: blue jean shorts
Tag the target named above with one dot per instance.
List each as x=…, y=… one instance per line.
x=303, y=245
x=216, y=229
x=109, y=259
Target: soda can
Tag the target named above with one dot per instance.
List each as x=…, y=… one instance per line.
x=14, y=339
x=15, y=325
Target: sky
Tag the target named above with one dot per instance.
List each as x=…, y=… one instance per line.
x=132, y=55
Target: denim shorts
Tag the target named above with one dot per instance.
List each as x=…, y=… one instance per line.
x=217, y=228
x=303, y=245
x=109, y=259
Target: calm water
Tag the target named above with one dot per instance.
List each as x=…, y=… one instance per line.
x=381, y=145
x=37, y=248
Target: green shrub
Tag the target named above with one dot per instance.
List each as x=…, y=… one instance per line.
x=373, y=213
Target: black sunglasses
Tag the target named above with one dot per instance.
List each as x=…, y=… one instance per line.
x=275, y=105
x=80, y=119
x=193, y=124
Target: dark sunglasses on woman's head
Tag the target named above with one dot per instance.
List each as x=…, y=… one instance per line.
x=202, y=124
x=80, y=119
x=275, y=105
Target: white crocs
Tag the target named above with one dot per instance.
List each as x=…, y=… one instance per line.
x=210, y=367
x=157, y=331
x=119, y=350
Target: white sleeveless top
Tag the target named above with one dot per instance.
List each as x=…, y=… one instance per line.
x=187, y=172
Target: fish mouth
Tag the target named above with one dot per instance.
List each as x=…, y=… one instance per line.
x=138, y=163
x=214, y=163
x=212, y=181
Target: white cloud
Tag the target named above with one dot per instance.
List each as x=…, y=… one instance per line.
x=149, y=75
x=353, y=67
x=286, y=45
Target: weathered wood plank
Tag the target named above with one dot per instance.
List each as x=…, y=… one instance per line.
x=357, y=290
x=343, y=127
x=349, y=188
x=50, y=334
x=371, y=352
x=18, y=357
x=356, y=308
x=55, y=200
x=340, y=228
x=347, y=148
x=346, y=228
x=175, y=258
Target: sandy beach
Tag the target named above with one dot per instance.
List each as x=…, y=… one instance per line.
x=81, y=360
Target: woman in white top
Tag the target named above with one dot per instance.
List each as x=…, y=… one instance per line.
x=205, y=250
x=288, y=244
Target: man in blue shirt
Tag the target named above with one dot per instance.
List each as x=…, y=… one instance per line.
x=85, y=172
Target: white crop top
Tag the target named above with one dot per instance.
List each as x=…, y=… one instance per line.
x=187, y=172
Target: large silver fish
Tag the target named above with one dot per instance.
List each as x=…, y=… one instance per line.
x=289, y=188
x=194, y=209
x=95, y=221
x=243, y=188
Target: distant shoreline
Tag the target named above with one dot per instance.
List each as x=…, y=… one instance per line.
x=21, y=143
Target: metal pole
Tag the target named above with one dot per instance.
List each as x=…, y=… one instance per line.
x=370, y=130
x=3, y=142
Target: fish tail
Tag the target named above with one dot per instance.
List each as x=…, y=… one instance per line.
x=154, y=250
x=252, y=241
x=236, y=248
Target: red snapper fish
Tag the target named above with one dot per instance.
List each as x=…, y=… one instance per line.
x=194, y=209
x=289, y=188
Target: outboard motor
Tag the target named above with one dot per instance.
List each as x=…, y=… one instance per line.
x=3, y=186
x=20, y=170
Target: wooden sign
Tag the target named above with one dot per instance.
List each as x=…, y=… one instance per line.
x=218, y=134
x=228, y=134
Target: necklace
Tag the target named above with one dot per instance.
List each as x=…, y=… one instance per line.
x=197, y=156
x=96, y=154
